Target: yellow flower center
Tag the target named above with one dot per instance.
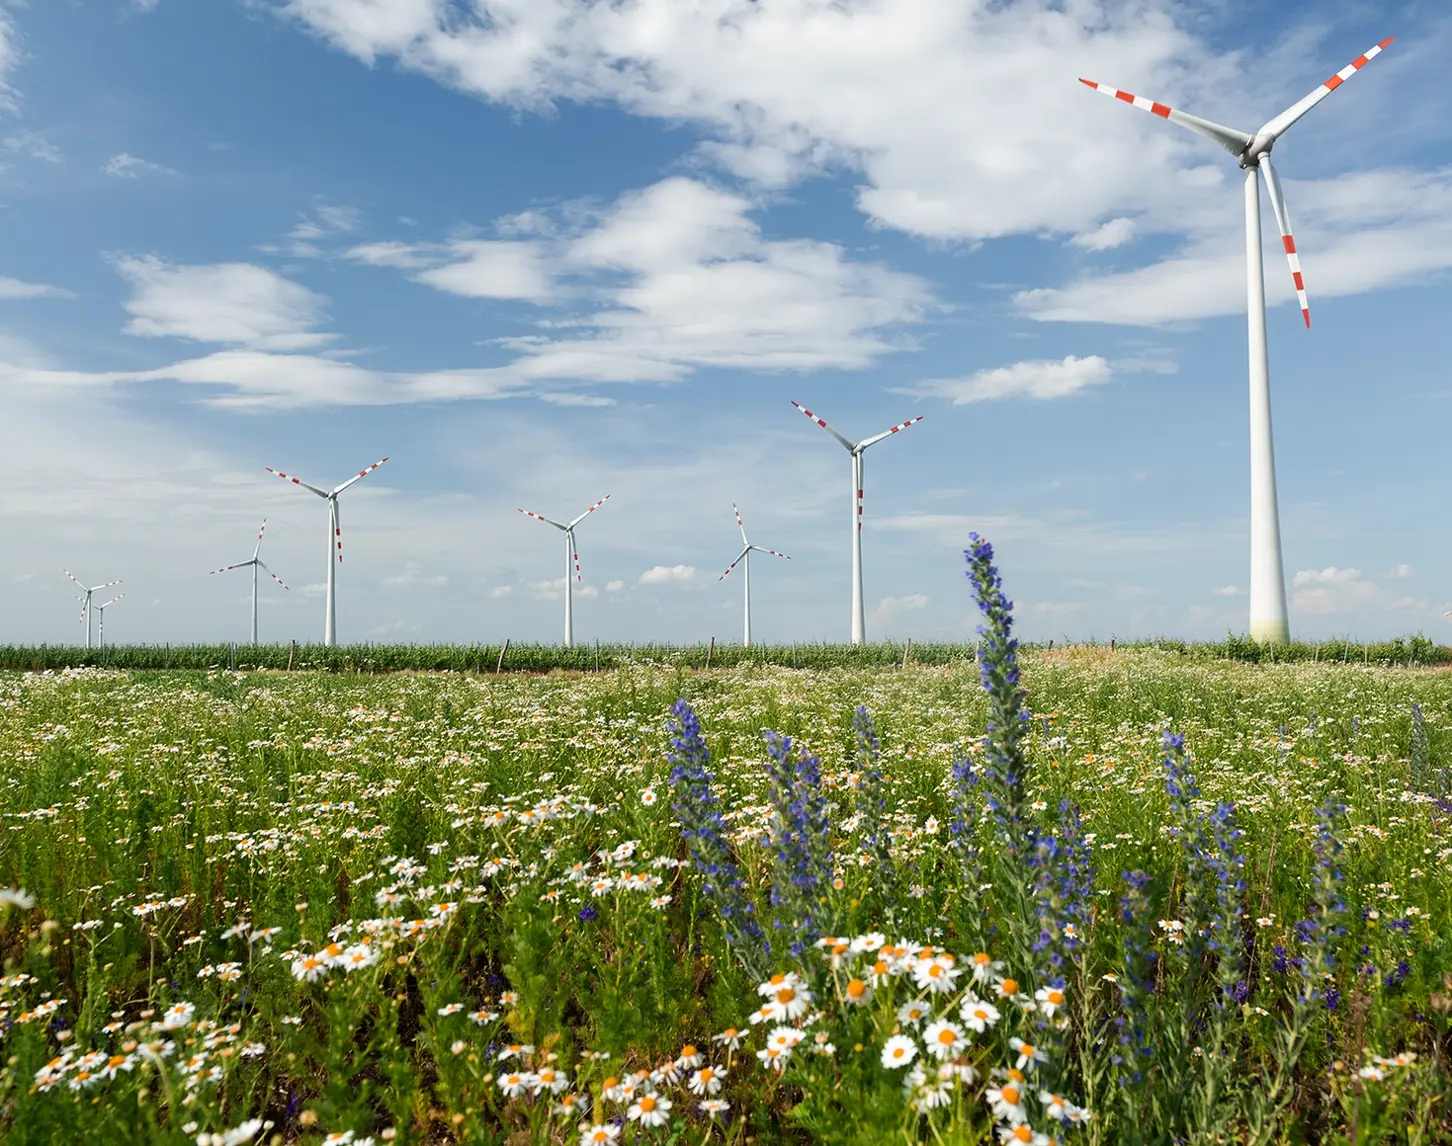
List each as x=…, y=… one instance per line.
x=1023, y=1133
x=856, y=989
x=947, y=1037
x=688, y=1051
x=785, y=996
x=1026, y=1050
x=647, y=1104
x=1009, y=987
x=115, y=1060
x=1010, y=1095
x=1056, y=998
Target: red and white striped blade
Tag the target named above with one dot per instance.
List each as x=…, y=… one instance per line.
x=899, y=428
x=112, y=601
x=106, y=585
x=735, y=563
x=338, y=531
x=741, y=525
x=296, y=481
x=576, y=554
x=1276, y=127
x=273, y=575
x=260, y=531
x=589, y=511
x=543, y=518
x=72, y=576
x=772, y=552
x=1288, y=241
x=359, y=476
x=85, y=603
x=227, y=568
x=822, y=422
x=1227, y=137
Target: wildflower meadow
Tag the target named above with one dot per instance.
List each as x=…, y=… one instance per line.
x=1060, y=896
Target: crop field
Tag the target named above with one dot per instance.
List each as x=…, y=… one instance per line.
x=1182, y=900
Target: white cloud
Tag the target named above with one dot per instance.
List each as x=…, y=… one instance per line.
x=555, y=590
x=125, y=166
x=413, y=577
x=1107, y=236
x=1058, y=608
x=1398, y=573
x=889, y=609
x=1022, y=379
x=34, y=145
x=1321, y=592
x=9, y=56
x=14, y=288
x=485, y=269
x=1328, y=576
x=324, y=221
x=230, y=303
x=925, y=98
x=614, y=586
x=1229, y=591
x=668, y=575
x=499, y=592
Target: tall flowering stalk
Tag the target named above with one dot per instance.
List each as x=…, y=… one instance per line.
x=800, y=830
x=698, y=812
x=963, y=827
x=873, y=832
x=1004, y=773
x=1316, y=993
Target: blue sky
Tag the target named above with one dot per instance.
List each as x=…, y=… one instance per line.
x=537, y=251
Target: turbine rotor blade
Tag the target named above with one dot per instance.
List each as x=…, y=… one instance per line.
x=337, y=528
x=112, y=601
x=1276, y=127
x=1227, y=137
x=772, y=552
x=107, y=585
x=735, y=563
x=229, y=568
x=821, y=422
x=359, y=476
x=872, y=441
x=1288, y=241
x=589, y=511
x=546, y=520
x=72, y=576
x=262, y=529
x=296, y=481
x=740, y=524
x=273, y=575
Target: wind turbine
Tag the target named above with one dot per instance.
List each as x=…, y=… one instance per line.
x=256, y=563
x=744, y=560
x=857, y=449
x=86, y=601
x=101, y=618
x=1267, y=577
x=335, y=538
x=572, y=560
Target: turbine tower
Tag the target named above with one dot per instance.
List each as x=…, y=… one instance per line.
x=857, y=449
x=86, y=601
x=1268, y=620
x=572, y=560
x=744, y=560
x=101, y=619
x=256, y=563
x=335, y=539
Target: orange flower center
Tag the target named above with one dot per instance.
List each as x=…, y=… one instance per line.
x=1056, y=998
x=1010, y=1095
x=785, y=995
x=947, y=1037
x=856, y=989
x=1023, y=1133
x=647, y=1103
x=1009, y=987
x=688, y=1051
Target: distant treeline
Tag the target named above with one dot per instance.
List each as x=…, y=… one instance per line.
x=368, y=658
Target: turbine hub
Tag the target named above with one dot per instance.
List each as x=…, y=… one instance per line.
x=1258, y=149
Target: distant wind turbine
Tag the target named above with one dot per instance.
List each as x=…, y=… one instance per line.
x=335, y=539
x=86, y=601
x=857, y=449
x=744, y=560
x=1268, y=620
x=255, y=562
x=101, y=618
x=572, y=561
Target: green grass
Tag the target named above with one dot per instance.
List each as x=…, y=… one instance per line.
x=370, y=658
x=272, y=800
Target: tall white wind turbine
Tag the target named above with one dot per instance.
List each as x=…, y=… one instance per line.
x=101, y=618
x=857, y=449
x=572, y=562
x=86, y=601
x=744, y=560
x=335, y=540
x=256, y=563
x=1267, y=578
